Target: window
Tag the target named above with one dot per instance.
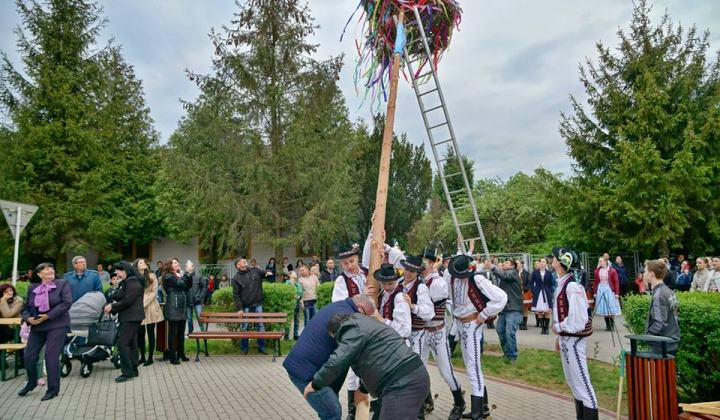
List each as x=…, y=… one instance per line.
x=131, y=251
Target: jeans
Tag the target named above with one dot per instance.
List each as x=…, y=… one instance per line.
x=325, y=402
x=198, y=310
x=309, y=311
x=296, y=322
x=258, y=327
x=506, y=327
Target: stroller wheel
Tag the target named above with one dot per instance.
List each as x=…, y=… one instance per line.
x=116, y=361
x=65, y=368
x=86, y=369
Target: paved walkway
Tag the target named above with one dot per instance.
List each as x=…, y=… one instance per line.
x=232, y=387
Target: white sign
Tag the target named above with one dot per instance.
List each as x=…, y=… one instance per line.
x=10, y=211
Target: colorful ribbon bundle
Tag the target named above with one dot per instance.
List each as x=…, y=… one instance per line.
x=375, y=49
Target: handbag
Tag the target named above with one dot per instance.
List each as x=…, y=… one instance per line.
x=102, y=333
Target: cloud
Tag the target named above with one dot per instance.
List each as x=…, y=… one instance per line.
x=506, y=77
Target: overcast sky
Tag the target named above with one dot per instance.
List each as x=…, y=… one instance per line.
x=506, y=78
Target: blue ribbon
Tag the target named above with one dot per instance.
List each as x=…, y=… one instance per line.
x=400, y=39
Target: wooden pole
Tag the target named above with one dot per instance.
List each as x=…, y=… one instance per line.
x=362, y=411
x=377, y=244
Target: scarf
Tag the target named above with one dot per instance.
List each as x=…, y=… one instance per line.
x=42, y=300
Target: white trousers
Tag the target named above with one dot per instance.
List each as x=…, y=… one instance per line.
x=437, y=344
x=470, y=335
x=417, y=341
x=577, y=376
x=353, y=382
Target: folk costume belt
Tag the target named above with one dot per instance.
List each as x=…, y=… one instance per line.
x=469, y=318
x=435, y=329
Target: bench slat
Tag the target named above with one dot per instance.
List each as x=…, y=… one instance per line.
x=204, y=335
x=242, y=321
x=12, y=346
x=10, y=321
x=245, y=314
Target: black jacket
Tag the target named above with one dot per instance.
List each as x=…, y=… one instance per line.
x=375, y=352
x=129, y=300
x=176, y=300
x=509, y=282
x=525, y=280
x=247, y=287
x=198, y=286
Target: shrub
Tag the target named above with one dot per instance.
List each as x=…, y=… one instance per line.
x=698, y=356
x=277, y=297
x=20, y=287
x=324, y=294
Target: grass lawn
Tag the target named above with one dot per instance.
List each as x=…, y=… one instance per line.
x=542, y=369
x=229, y=347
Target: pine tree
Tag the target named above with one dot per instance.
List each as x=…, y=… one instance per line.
x=646, y=150
x=77, y=123
x=268, y=142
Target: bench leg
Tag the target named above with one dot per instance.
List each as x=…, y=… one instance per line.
x=206, y=350
x=197, y=354
x=3, y=353
x=17, y=363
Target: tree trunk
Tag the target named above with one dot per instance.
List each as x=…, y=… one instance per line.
x=279, y=276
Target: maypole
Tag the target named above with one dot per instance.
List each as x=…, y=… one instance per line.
x=380, y=51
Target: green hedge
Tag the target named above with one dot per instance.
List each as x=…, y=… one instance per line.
x=324, y=294
x=698, y=357
x=278, y=297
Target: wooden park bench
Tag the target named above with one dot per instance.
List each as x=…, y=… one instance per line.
x=11, y=347
x=265, y=318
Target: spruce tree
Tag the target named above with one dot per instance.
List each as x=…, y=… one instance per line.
x=646, y=148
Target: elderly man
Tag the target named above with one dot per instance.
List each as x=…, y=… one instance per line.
x=314, y=348
x=82, y=280
x=388, y=368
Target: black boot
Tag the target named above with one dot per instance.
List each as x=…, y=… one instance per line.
x=579, y=410
x=612, y=324
x=428, y=405
x=523, y=324
x=486, y=404
x=458, y=405
x=351, y=405
x=537, y=321
x=543, y=329
x=590, y=413
x=477, y=408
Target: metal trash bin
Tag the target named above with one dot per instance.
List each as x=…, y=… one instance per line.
x=651, y=381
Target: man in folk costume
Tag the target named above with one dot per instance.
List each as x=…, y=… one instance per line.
x=572, y=325
x=474, y=300
x=393, y=311
x=349, y=283
x=436, y=335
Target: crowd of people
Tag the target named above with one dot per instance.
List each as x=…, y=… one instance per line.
x=377, y=349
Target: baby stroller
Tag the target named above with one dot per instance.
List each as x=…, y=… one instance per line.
x=94, y=335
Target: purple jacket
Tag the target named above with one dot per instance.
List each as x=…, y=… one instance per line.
x=59, y=313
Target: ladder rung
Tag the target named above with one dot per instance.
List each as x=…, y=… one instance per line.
x=429, y=91
x=473, y=239
x=424, y=74
x=427, y=111
x=456, y=192
x=467, y=206
x=466, y=223
x=436, y=126
x=452, y=175
x=443, y=142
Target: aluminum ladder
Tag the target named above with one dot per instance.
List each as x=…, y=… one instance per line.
x=442, y=128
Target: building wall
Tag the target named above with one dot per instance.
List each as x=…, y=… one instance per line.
x=165, y=248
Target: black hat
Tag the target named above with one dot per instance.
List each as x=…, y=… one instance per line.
x=447, y=256
x=347, y=252
x=413, y=263
x=429, y=254
x=459, y=267
x=551, y=255
x=386, y=274
x=567, y=256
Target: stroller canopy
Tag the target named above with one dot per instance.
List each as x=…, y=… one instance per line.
x=86, y=310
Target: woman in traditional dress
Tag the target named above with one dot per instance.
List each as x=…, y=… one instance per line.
x=606, y=290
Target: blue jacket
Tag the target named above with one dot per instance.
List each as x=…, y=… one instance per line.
x=87, y=282
x=544, y=285
x=315, y=345
x=622, y=274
